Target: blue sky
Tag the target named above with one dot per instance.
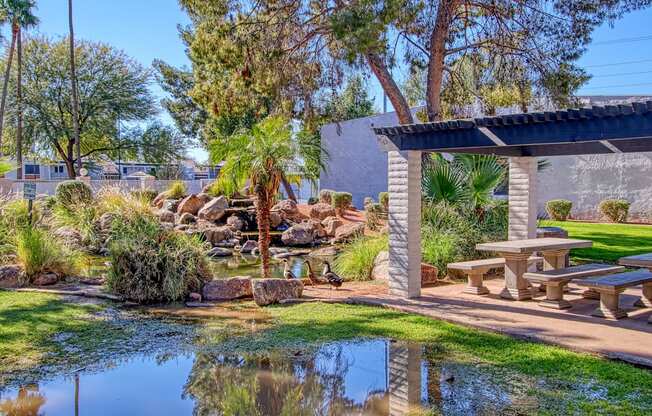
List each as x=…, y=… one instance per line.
x=147, y=29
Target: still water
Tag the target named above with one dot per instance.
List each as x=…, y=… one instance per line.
x=246, y=265
x=372, y=377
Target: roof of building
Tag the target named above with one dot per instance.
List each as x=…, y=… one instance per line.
x=598, y=129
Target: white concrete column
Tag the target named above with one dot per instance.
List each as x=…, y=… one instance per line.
x=404, y=223
x=522, y=198
x=404, y=378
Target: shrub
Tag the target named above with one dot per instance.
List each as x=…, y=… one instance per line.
x=341, y=201
x=356, y=261
x=39, y=252
x=559, y=209
x=325, y=196
x=368, y=201
x=145, y=195
x=313, y=200
x=151, y=264
x=383, y=198
x=73, y=193
x=615, y=210
x=439, y=248
x=177, y=190
x=373, y=213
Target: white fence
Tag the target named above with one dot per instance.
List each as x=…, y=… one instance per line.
x=48, y=187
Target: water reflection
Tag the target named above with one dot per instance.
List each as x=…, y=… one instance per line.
x=246, y=265
x=371, y=378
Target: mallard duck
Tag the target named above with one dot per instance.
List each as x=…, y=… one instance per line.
x=311, y=275
x=287, y=273
x=333, y=279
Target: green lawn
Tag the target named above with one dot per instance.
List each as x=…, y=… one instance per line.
x=610, y=241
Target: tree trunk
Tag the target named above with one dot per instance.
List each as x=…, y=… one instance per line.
x=73, y=80
x=391, y=89
x=19, y=105
x=70, y=167
x=438, y=37
x=262, y=217
x=288, y=189
x=5, y=84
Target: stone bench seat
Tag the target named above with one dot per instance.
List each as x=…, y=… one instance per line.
x=555, y=280
x=610, y=287
x=476, y=269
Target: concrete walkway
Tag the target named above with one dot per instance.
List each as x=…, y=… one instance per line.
x=629, y=339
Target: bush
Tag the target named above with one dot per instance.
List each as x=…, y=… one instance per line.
x=145, y=195
x=177, y=190
x=312, y=200
x=559, y=209
x=150, y=264
x=616, y=210
x=341, y=201
x=73, y=193
x=38, y=252
x=383, y=199
x=356, y=261
x=325, y=196
x=368, y=201
x=374, y=214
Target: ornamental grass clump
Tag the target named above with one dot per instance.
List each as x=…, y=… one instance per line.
x=559, y=209
x=615, y=210
x=38, y=252
x=73, y=193
x=150, y=264
x=356, y=261
x=341, y=201
x=177, y=190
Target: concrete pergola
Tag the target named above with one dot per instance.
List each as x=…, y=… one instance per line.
x=520, y=137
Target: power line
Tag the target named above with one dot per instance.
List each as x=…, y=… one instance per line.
x=622, y=74
x=618, y=63
x=622, y=40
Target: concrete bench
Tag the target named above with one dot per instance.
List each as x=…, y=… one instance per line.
x=476, y=269
x=610, y=287
x=556, y=280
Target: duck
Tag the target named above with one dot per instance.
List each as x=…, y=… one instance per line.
x=311, y=275
x=287, y=273
x=333, y=279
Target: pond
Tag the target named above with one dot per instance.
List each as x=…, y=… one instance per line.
x=368, y=377
x=246, y=265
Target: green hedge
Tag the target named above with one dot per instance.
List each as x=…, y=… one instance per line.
x=559, y=209
x=616, y=210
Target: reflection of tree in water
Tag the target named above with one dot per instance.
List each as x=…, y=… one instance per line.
x=28, y=402
x=273, y=384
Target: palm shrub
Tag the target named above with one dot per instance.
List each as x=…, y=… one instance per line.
x=616, y=210
x=39, y=252
x=341, y=201
x=559, y=209
x=73, y=193
x=151, y=264
x=356, y=260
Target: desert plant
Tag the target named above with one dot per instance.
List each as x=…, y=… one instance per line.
x=356, y=261
x=383, y=199
x=38, y=252
x=151, y=264
x=325, y=196
x=177, y=190
x=341, y=201
x=559, y=209
x=73, y=193
x=616, y=210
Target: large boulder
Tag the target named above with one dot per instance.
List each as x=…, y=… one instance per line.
x=160, y=198
x=321, y=211
x=166, y=216
x=269, y=291
x=287, y=208
x=380, y=270
x=248, y=246
x=190, y=205
x=170, y=205
x=227, y=289
x=205, y=198
x=331, y=224
x=235, y=223
x=187, y=218
x=10, y=276
x=219, y=252
x=46, y=279
x=349, y=232
x=275, y=219
x=214, y=210
x=216, y=235
x=298, y=235
x=317, y=229
x=69, y=237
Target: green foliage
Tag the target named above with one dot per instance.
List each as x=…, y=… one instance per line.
x=383, y=199
x=356, y=261
x=353, y=102
x=341, y=201
x=374, y=214
x=73, y=193
x=150, y=264
x=177, y=190
x=5, y=167
x=38, y=252
x=616, y=210
x=145, y=195
x=14, y=217
x=559, y=209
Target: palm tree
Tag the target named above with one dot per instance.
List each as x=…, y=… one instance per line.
x=73, y=81
x=20, y=15
x=261, y=157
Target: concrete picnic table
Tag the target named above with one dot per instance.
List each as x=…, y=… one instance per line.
x=645, y=261
x=516, y=254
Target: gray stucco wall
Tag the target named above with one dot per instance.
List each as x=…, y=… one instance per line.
x=356, y=163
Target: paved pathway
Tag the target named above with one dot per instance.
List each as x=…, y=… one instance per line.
x=629, y=339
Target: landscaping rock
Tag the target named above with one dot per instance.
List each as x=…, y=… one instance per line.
x=331, y=224
x=429, y=274
x=46, y=279
x=248, y=246
x=275, y=251
x=194, y=297
x=214, y=210
x=182, y=227
x=10, y=276
x=288, y=210
x=190, y=204
x=217, y=235
x=275, y=219
x=298, y=235
x=270, y=291
x=166, y=216
x=317, y=228
x=69, y=237
x=205, y=198
x=160, y=198
x=219, y=252
x=228, y=289
x=330, y=251
x=187, y=218
x=349, y=231
x=235, y=223
x=170, y=205
x=380, y=270
x=321, y=211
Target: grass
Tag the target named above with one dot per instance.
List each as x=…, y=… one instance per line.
x=610, y=241
x=356, y=261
